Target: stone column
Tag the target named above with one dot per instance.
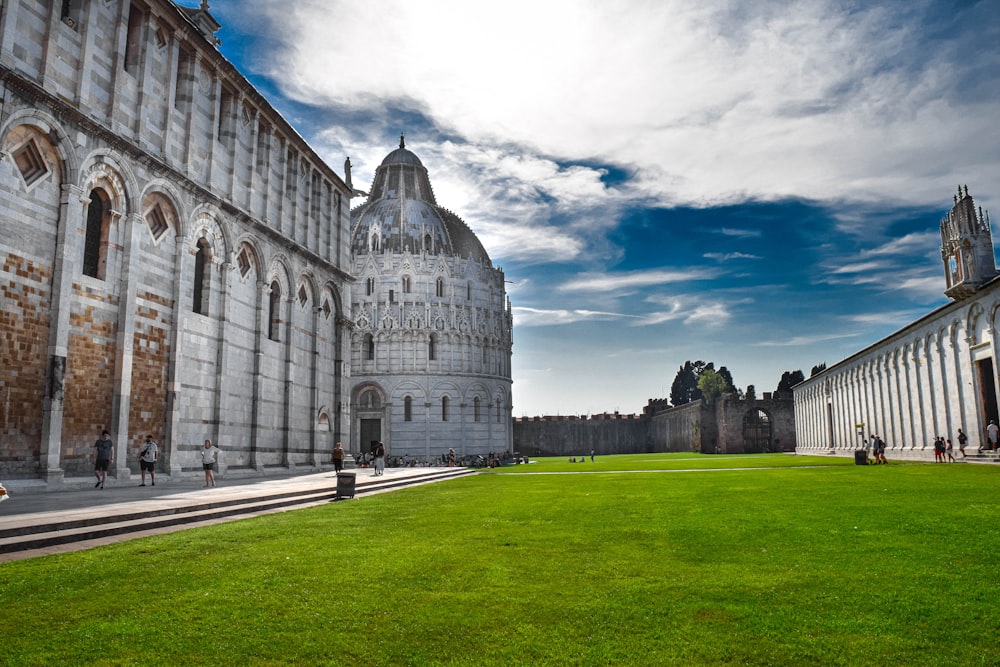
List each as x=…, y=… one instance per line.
x=171, y=443
x=68, y=237
x=122, y=396
x=222, y=360
x=263, y=291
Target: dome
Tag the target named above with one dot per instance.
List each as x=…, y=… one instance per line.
x=402, y=215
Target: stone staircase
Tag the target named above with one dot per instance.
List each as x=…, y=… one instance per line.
x=85, y=526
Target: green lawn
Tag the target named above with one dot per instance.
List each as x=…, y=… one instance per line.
x=645, y=559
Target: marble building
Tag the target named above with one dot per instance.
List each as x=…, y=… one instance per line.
x=930, y=378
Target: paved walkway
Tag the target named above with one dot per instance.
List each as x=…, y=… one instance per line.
x=28, y=498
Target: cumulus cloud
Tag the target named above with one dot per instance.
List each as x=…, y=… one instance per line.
x=709, y=102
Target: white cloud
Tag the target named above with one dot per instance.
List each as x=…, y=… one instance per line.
x=795, y=341
x=710, y=103
x=535, y=317
x=741, y=233
x=727, y=256
x=608, y=282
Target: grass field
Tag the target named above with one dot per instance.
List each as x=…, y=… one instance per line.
x=629, y=560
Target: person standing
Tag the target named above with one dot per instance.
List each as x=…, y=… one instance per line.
x=948, y=449
x=103, y=458
x=147, y=460
x=379, y=459
x=451, y=457
x=991, y=436
x=962, y=439
x=209, y=456
x=338, y=457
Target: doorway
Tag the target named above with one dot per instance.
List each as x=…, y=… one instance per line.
x=371, y=434
x=987, y=390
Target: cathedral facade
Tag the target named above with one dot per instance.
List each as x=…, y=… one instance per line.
x=929, y=379
x=432, y=326
x=178, y=261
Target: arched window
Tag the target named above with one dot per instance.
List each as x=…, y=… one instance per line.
x=370, y=286
x=468, y=291
x=408, y=409
x=444, y=408
x=202, y=275
x=95, y=245
x=406, y=284
x=440, y=287
x=475, y=408
x=369, y=345
x=498, y=410
x=432, y=348
x=274, y=313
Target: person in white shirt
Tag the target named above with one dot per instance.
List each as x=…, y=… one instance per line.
x=147, y=460
x=209, y=455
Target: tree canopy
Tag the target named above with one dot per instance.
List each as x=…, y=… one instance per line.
x=789, y=379
x=687, y=385
x=712, y=384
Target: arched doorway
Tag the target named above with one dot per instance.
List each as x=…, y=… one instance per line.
x=756, y=432
x=370, y=411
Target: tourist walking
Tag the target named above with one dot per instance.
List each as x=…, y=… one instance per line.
x=147, y=460
x=104, y=456
x=338, y=457
x=451, y=457
x=962, y=439
x=379, y=459
x=948, y=449
x=209, y=457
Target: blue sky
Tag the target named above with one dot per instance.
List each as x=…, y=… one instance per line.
x=754, y=184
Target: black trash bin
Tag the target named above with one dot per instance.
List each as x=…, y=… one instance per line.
x=860, y=457
x=345, y=484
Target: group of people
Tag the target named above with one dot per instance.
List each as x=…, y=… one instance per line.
x=875, y=449
x=149, y=453
x=944, y=448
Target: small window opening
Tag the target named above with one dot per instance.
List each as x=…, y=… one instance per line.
x=202, y=262
x=274, y=315
x=95, y=247
x=408, y=409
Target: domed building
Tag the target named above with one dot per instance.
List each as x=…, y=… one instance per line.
x=432, y=327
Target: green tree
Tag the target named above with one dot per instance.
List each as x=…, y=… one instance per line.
x=819, y=368
x=712, y=384
x=788, y=380
x=685, y=385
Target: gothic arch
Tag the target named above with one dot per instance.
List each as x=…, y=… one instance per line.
x=972, y=318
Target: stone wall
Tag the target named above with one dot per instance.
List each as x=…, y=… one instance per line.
x=717, y=426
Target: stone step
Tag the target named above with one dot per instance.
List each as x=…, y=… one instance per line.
x=51, y=529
